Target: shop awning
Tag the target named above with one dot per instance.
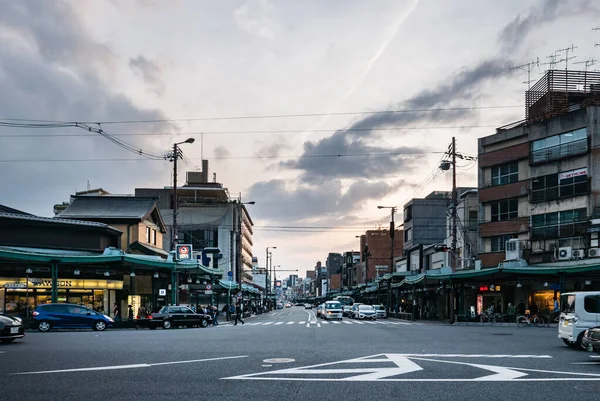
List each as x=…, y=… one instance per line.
x=228, y=285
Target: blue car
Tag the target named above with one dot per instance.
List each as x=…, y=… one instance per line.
x=69, y=316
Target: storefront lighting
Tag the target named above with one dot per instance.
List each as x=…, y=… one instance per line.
x=155, y=274
x=106, y=274
x=519, y=285
x=132, y=274
x=588, y=282
x=197, y=281
x=28, y=271
x=189, y=280
x=492, y=288
x=545, y=284
x=76, y=272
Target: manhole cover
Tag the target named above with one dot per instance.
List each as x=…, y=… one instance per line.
x=279, y=360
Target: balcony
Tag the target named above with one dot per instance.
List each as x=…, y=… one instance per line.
x=559, y=152
x=514, y=226
x=514, y=190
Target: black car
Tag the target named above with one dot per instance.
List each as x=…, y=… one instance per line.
x=11, y=328
x=175, y=316
x=591, y=340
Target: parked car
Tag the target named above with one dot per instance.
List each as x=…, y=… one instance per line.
x=175, y=316
x=332, y=310
x=381, y=312
x=591, y=340
x=579, y=311
x=364, y=312
x=69, y=316
x=347, y=309
x=11, y=328
x=307, y=306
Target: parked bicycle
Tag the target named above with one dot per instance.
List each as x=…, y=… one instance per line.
x=523, y=321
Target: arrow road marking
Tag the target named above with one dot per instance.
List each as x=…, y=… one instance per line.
x=134, y=366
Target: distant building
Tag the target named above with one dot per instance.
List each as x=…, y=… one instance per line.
x=334, y=263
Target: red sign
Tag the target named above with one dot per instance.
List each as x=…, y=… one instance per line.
x=484, y=288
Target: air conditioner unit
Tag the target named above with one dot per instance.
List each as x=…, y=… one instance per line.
x=513, y=250
x=564, y=253
x=594, y=253
x=578, y=253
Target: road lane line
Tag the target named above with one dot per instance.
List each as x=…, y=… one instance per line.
x=134, y=366
x=267, y=323
x=278, y=323
x=336, y=322
x=347, y=322
x=302, y=322
x=370, y=322
x=357, y=322
x=325, y=322
x=291, y=322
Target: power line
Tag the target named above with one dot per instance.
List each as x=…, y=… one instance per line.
x=252, y=132
x=251, y=117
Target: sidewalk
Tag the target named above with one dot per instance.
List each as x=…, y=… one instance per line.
x=478, y=324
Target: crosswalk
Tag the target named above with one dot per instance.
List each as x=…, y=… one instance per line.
x=320, y=323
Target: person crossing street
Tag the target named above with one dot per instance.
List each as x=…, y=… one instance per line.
x=238, y=314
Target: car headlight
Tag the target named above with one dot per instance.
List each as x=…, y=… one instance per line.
x=110, y=319
x=18, y=319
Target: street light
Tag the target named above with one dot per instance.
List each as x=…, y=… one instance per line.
x=176, y=155
x=267, y=273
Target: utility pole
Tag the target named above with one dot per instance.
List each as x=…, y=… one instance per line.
x=454, y=229
x=174, y=231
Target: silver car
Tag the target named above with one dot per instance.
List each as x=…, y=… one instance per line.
x=364, y=312
x=381, y=312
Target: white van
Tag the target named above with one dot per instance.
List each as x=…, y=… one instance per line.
x=333, y=310
x=579, y=312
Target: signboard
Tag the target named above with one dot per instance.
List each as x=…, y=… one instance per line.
x=572, y=174
x=208, y=292
x=239, y=294
x=66, y=283
x=135, y=302
x=184, y=252
x=162, y=292
x=15, y=285
x=208, y=287
x=381, y=267
x=230, y=274
x=278, y=283
x=260, y=280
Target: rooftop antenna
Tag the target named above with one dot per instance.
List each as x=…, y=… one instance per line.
x=596, y=29
x=589, y=62
x=88, y=185
x=552, y=61
x=567, y=58
x=527, y=67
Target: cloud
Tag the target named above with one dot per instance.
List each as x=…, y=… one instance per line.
x=278, y=200
x=222, y=152
x=151, y=73
x=274, y=149
x=253, y=17
x=51, y=68
x=515, y=32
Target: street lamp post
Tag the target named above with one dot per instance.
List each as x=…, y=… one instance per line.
x=267, y=273
x=392, y=234
x=27, y=273
x=176, y=155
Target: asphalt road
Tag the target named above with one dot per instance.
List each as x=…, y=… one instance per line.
x=273, y=357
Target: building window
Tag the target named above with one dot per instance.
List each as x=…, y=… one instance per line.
x=153, y=237
x=568, y=223
x=505, y=210
x=408, y=213
x=559, y=185
x=408, y=235
x=473, y=216
x=148, y=235
x=505, y=173
x=559, y=146
x=499, y=242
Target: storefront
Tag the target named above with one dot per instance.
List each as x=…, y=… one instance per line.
x=17, y=293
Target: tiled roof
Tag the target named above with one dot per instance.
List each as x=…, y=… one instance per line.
x=6, y=209
x=108, y=207
x=39, y=219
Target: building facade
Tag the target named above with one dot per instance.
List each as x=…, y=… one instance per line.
x=376, y=252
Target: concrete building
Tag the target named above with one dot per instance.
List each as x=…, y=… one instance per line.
x=467, y=213
x=208, y=217
x=350, y=276
x=334, y=263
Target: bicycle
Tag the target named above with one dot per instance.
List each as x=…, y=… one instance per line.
x=523, y=321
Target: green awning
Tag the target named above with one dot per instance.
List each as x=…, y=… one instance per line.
x=228, y=285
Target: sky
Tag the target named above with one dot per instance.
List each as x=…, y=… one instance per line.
x=312, y=79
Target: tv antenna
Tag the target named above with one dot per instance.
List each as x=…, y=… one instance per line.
x=596, y=29
x=553, y=60
x=567, y=58
x=589, y=62
x=527, y=67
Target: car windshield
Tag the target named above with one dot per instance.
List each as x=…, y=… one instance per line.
x=333, y=305
x=366, y=307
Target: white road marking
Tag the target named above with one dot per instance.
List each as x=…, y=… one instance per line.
x=134, y=366
x=325, y=322
x=357, y=322
x=278, y=323
x=267, y=323
x=336, y=322
x=405, y=364
x=371, y=322
x=291, y=322
x=307, y=324
x=302, y=322
x=347, y=322
x=585, y=363
x=318, y=325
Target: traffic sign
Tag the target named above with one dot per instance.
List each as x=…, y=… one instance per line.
x=184, y=252
x=208, y=292
x=162, y=292
x=230, y=274
x=239, y=294
x=208, y=287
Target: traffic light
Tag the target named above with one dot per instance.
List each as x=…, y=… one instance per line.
x=440, y=248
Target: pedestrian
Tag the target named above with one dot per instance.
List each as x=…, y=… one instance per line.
x=521, y=308
x=510, y=311
x=556, y=309
x=116, y=312
x=238, y=314
x=130, y=312
x=215, y=315
x=533, y=308
x=141, y=312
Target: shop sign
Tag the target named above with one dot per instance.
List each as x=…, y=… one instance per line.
x=162, y=292
x=208, y=292
x=66, y=283
x=572, y=173
x=15, y=285
x=484, y=288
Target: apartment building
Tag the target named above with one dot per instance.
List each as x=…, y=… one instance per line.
x=539, y=180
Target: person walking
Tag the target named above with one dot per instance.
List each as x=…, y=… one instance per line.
x=556, y=309
x=215, y=315
x=238, y=314
x=130, y=312
x=116, y=312
x=521, y=308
